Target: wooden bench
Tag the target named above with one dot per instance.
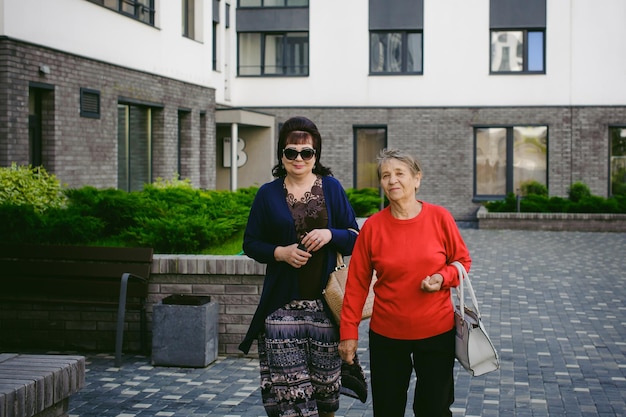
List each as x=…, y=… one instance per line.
x=86, y=275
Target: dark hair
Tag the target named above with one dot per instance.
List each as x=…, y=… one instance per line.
x=298, y=130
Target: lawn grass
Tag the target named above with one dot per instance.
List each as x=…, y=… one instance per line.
x=231, y=246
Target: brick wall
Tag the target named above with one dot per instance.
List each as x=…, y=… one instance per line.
x=235, y=282
x=443, y=140
x=581, y=222
x=80, y=150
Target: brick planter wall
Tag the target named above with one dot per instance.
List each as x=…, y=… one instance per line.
x=235, y=282
x=581, y=222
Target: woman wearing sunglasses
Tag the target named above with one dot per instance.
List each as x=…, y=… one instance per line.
x=297, y=224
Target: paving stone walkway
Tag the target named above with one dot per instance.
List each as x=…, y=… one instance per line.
x=554, y=304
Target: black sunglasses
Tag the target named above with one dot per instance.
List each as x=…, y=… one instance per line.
x=306, y=153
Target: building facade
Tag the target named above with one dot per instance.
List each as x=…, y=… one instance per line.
x=487, y=94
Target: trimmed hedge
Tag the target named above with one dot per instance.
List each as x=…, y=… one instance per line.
x=169, y=216
x=580, y=200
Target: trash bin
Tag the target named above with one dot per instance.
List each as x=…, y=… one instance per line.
x=185, y=331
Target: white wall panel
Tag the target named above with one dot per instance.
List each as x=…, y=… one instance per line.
x=598, y=62
x=584, y=61
x=89, y=30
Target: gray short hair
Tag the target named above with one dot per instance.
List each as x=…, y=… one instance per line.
x=402, y=156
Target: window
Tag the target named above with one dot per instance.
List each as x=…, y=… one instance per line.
x=506, y=157
x=217, y=41
x=280, y=54
x=617, y=136
x=516, y=51
x=41, y=122
x=273, y=3
x=89, y=103
x=185, y=147
x=517, y=36
x=134, y=152
x=142, y=10
x=188, y=14
x=369, y=141
x=395, y=52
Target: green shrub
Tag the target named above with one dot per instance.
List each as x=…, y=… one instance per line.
x=25, y=185
x=67, y=227
x=499, y=206
x=19, y=223
x=533, y=187
x=577, y=191
x=169, y=216
x=580, y=201
x=364, y=201
x=558, y=205
x=534, y=203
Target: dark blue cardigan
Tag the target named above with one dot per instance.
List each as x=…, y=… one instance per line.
x=271, y=224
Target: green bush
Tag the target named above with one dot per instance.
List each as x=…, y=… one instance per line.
x=61, y=226
x=19, y=223
x=364, y=201
x=578, y=191
x=170, y=216
x=499, y=206
x=534, y=203
x=580, y=200
x=533, y=187
x=35, y=187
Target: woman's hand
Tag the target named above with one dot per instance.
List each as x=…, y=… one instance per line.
x=347, y=350
x=432, y=283
x=316, y=239
x=292, y=255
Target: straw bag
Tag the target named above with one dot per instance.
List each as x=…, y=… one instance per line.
x=474, y=350
x=336, y=289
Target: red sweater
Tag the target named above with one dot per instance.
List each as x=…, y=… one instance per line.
x=403, y=253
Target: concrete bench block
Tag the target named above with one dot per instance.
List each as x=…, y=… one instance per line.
x=39, y=385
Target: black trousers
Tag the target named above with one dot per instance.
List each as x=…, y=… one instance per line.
x=392, y=362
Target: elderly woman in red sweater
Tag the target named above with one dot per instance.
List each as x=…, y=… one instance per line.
x=410, y=244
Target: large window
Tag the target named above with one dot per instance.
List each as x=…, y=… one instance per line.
x=398, y=52
x=134, y=151
x=273, y=3
x=617, y=137
x=368, y=142
x=516, y=51
x=274, y=54
x=142, y=10
x=507, y=157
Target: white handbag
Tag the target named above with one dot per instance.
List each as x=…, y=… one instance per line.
x=474, y=350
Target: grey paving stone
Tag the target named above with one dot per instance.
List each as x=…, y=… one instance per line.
x=553, y=303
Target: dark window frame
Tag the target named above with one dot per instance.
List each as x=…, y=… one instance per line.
x=525, y=52
x=189, y=23
x=610, y=157
x=271, y=6
x=139, y=9
x=285, y=41
x=510, y=159
x=355, y=131
x=404, y=34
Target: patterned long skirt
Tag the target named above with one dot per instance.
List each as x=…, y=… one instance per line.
x=300, y=362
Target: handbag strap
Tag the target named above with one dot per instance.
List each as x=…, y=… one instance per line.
x=340, y=262
x=464, y=277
